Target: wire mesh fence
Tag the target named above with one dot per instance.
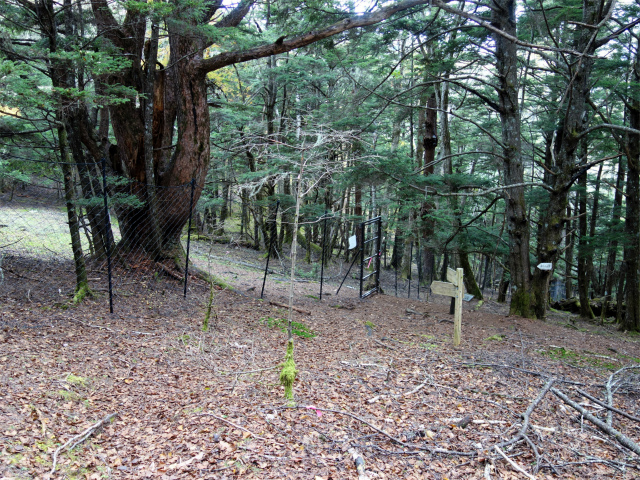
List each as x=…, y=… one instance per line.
x=136, y=232
x=143, y=238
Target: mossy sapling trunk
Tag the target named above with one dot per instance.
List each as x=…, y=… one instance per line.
x=62, y=77
x=288, y=373
x=407, y=249
x=82, y=284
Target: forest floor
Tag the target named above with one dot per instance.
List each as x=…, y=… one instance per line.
x=380, y=379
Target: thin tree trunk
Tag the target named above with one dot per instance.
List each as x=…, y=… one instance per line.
x=583, y=250
x=632, y=221
x=615, y=225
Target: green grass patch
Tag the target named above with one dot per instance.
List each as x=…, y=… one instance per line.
x=299, y=329
x=574, y=358
x=495, y=338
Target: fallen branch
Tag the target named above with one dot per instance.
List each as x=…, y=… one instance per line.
x=608, y=407
x=398, y=395
x=619, y=436
x=415, y=448
x=282, y=305
x=527, y=414
x=78, y=439
x=513, y=464
x=359, y=463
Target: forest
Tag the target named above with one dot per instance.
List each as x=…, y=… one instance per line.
x=495, y=136
x=499, y=138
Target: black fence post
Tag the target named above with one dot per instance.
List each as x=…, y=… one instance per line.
x=410, y=268
x=379, y=254
x=324, y=246
x=107, y=230
x=186, y=265
x=273, y=236
x=362, y=228
x=395, y=264
x=419, y=267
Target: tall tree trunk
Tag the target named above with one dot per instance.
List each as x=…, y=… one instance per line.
x=632, y=221
x=504, y=17
x=568, y=255
x=82, y=283
x=429, y=144
x=583, y=250
x=568, y=138
x=615, y=225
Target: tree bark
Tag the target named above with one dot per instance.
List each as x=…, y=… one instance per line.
x=504, y=17
x=616, y=213
x=565, y=172
x=632, y=221
x=583, y=250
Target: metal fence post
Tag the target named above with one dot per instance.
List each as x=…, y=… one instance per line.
x=324, y=244
x=273, y=236
x=379, y=259
x=186, y=264
x=107, y=230
x=410, y=267
x=362, y=228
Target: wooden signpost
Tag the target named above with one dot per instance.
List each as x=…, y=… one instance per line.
x=453, y=288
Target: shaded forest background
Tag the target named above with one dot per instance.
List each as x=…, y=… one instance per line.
x=493, y=136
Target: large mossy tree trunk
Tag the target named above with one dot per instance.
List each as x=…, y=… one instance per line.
x=568, y=135
x=504, y=17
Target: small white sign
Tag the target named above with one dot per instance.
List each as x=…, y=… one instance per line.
x=545, y=266
x=467, y=297
x=352, y=242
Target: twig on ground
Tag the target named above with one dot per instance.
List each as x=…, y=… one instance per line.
x=101, y=327
x=527, y=414
x=248, y=371
x=398, y=395
x=391, y=437
x=512, y=463
x=282, y=305
x=240, y=428
x=78, y=439
x=619, y=436
x=383, y=344
x=610, y=390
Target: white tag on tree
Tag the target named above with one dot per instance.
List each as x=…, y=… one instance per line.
x=352, y=242
x=545, y=266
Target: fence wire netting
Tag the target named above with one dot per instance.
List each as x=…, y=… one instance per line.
x=37, y=260
x=36, y=253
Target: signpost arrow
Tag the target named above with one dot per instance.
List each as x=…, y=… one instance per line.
x=444, y=288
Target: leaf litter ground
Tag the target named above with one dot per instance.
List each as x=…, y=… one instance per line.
x=381, y=375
